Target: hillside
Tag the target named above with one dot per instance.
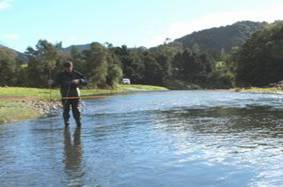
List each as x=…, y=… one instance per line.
x=211, y=40
x=79, y=47
x=260, y=59
x=169, y=65
x=225, y=37
x=20, y=55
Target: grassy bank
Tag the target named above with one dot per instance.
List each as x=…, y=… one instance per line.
x=44, y=94
x=270, y=90
x=18, y=103
x=15, y=110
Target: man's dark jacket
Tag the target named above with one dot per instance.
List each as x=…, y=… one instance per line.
x=69, y=89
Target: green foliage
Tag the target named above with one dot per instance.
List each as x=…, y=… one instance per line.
x=102, y=67
x=97, y=62
x=225, y=38
x=192, y=67
x=153, y=70
x=205, y=59
x=115, y=74
x=135, y=68
x=78, y=60
x=41, y=62
x=260, y=60
x=8, y=67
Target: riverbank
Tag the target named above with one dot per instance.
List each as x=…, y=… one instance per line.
x=17, y=103
x=270, y=90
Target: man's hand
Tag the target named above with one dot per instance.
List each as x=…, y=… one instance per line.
x=50, y=82
x=76, y=81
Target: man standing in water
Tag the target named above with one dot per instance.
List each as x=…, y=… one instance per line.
x=69, y=82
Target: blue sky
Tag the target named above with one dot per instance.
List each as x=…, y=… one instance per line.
x=131, y=22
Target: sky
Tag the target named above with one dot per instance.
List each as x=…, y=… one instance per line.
x=131, y=22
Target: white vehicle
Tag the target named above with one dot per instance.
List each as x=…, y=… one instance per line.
x=126, y=81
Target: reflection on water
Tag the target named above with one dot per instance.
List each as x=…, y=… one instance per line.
x=73, y=156
x=182, y=138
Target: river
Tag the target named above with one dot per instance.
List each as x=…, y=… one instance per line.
x=170, y=138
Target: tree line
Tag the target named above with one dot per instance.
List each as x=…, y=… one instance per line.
x=258, y=62
x=105, y=65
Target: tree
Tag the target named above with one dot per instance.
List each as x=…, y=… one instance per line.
x=259, y=61
x=42, y=62
x=96, y=62
x=78, y=59
x=115, y=75
x=153, y=70
x=8, y=67
x=191, y=67
x=102, y=66
x=115, y=72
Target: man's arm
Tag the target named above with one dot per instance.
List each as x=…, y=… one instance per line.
x=82, y=79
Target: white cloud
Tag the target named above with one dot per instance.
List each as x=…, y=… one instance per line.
x=5, y=4
x=179, y=29
x=10, y=37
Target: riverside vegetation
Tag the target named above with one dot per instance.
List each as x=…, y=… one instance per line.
x=245, y=54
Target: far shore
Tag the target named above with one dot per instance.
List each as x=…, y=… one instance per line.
x=19, y=103
x=267, y=90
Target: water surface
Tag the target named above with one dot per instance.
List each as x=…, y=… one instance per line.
x=174, y=138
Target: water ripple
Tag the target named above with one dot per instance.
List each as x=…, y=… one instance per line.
x=177, y=138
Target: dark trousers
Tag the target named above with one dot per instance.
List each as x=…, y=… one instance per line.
x=75, y=104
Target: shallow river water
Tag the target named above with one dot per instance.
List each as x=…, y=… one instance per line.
x=171, y=138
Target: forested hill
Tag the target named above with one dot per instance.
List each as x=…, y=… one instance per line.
x=226, y=37
x=212, y=40
x=2, y=46
x=257, y=61
x=19, y=55
x=79, y=47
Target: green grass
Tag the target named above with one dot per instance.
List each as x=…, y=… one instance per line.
x=261, y=90
x=15, y=111
x=122, y=89
x=43, y=94
x=36, y=93
x=12, y=107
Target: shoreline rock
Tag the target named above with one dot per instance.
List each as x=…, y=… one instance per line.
x=43, y=107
